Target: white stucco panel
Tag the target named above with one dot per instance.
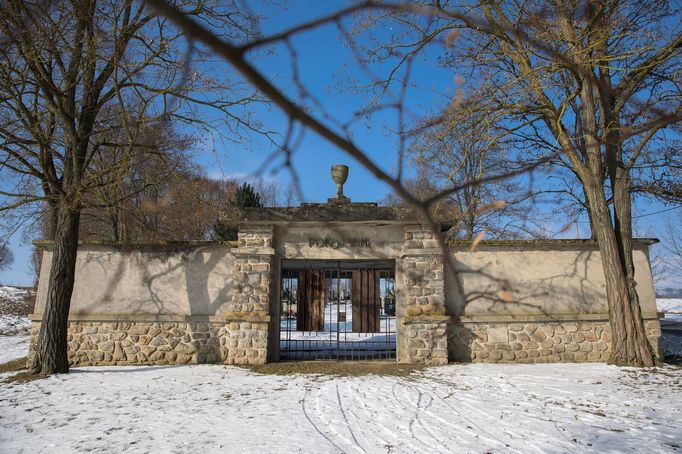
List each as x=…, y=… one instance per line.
x=111, y=281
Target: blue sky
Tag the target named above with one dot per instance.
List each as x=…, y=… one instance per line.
x=324, y=65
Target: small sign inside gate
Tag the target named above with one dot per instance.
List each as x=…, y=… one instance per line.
x=335, y=243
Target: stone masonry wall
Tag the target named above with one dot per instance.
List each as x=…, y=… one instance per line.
x=252, y=270
x=427, y=341
x=252, y=284
x=537, y=341
x=238, y=335
x=245, y=340
x=424, y=298
x=123, y=343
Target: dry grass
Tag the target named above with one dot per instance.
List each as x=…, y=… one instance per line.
x=21, y=375
x=13, y=366
x=336, y=368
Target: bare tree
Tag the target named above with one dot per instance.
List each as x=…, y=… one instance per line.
x=6, y=257
x=620, y=93
x=420, y=186
x=586, y=85
x=160, y=155
x=668, y=262
x=462, y=147
x=68, y=72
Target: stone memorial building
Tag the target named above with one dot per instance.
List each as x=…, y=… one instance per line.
x=341, y=280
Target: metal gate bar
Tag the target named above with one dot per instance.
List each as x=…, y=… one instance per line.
x=340, y=335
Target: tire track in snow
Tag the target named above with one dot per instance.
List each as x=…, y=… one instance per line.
x=328, y=416
x=415, y=420
x=329, y=402
x=312, y=423
x=421, y=410
x=482, y=433
x=380, y=435
x=347, y=406
x=345, y=419
x=376, y=433
x=448, y=423
x=471, y=407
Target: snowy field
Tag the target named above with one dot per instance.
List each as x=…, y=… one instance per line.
x=11, y=325
x=671, y=307
x=13, y=347
x=13, y=312
x=458, y=408
x=479, y=408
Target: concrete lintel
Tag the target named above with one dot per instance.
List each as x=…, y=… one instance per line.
x=405, y=253
x=141, y=245
x=465, y=245
x=253, y=251
x=521, y=318
x=425, y=319
x=132, y=318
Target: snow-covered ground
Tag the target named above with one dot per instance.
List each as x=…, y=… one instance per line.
x=333, y=324
x=671, y=307
x=13, y=310
x=11, y=325
x=457, y=408
x=12, y=293
x=13, y=347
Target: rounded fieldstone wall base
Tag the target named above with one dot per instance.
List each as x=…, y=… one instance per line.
x=537, y=342
x=427, y=342
x=127, y=343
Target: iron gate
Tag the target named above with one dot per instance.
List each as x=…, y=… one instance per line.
x=344, y=312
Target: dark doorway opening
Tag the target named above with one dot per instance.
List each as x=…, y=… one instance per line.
x=339, y=310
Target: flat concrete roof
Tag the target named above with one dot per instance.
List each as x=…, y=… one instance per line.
x=233, y=244
x=329, y=213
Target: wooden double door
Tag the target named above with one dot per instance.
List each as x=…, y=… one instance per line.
x=319, y=288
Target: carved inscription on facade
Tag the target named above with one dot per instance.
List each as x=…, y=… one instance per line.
x=336, y=243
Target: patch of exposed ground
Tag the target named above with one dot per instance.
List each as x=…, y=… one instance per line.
x=336, y=368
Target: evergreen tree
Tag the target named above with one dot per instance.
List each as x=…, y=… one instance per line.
x=244, y=197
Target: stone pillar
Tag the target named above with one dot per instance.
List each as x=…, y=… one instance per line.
x=244, y=339
x=424, y=320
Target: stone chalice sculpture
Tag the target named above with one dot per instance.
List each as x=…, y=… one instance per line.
x=340, y=175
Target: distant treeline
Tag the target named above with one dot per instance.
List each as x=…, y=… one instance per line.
x=669, y=292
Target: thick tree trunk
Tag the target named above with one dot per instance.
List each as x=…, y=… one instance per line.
x=630, y=346
x=622, y=206
x=593, y=230
x=51, y=348
x=469, y=225
x=51, y=221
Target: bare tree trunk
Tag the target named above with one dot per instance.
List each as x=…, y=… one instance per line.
x=593, y=229
x=630, y=346
x=469, y=224
x=51, y=221
x=622, y=206
x=51, y=348
x=115, y=227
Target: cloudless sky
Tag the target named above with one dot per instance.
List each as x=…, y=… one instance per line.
x=325, y=67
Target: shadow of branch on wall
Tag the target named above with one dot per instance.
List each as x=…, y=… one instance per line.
x=200, y=278
x=494, y=297
x=197, y=268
